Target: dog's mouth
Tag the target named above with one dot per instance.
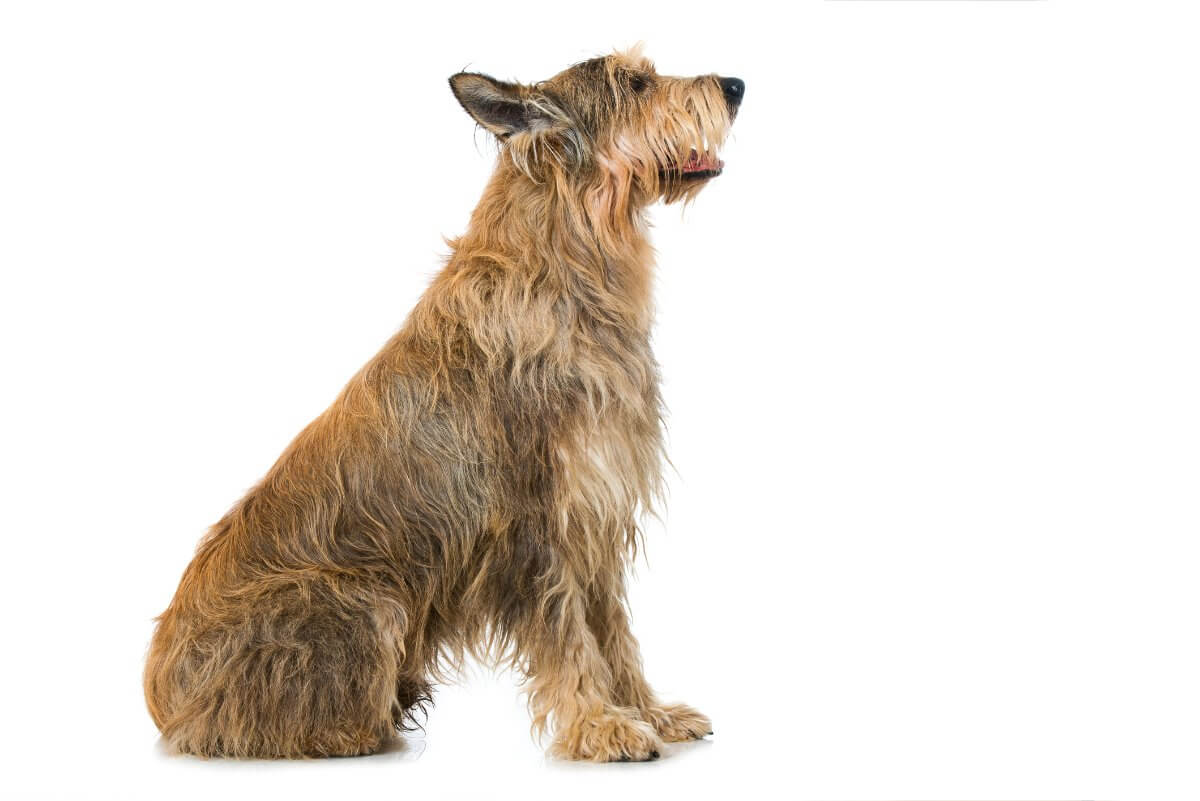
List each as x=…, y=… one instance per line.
x=698, y=166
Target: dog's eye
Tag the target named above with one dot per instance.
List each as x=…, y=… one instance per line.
x=639, y=83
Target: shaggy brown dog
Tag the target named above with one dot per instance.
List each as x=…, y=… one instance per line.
x=476, y=488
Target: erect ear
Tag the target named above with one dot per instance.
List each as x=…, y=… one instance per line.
x=497, y=105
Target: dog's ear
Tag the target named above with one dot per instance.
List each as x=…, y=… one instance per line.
x=498, y=106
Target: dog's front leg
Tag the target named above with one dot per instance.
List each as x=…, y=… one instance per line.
x=571, y=687
x=609, y=619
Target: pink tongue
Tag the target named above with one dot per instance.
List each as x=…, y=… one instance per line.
x=698, y=163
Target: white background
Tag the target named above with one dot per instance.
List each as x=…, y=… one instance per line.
x=930, y=347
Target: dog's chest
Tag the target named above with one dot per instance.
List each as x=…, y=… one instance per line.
x=609, y=469
x=608, y=449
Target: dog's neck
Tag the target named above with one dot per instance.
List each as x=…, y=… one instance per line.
x=581, y=239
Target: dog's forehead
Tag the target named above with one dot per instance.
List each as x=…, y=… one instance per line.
x=601, y=68
x=594, y=69
x=633, y=58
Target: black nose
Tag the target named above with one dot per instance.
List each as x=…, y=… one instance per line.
x=734, y=89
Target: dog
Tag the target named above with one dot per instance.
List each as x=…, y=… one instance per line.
x=476, y=488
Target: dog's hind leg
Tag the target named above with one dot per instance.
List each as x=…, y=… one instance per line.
x=311, y=670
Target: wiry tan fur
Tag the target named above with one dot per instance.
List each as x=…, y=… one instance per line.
x=476, y=488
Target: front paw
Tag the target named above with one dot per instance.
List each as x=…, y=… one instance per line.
x=676, y=723
x=607, y=737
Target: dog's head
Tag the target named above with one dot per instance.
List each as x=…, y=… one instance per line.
x=611, y=125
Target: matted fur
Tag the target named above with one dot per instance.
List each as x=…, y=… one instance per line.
x=476, y=488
